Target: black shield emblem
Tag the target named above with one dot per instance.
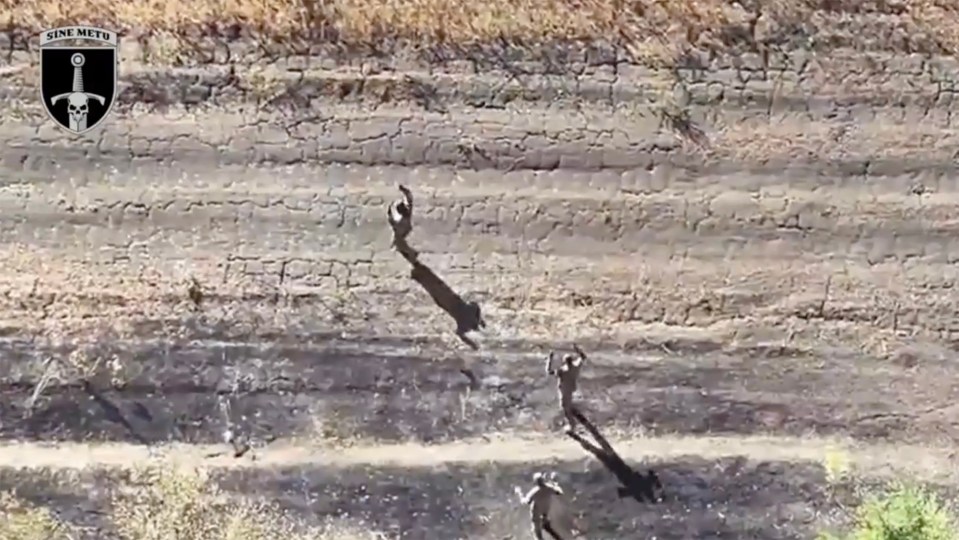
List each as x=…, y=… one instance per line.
x=78, y=76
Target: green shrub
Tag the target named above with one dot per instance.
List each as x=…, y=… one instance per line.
x=903, y=513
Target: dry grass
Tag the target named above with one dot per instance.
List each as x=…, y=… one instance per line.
x=22, y=521
x=164, y=503
x=648, y=27
x=175, y=504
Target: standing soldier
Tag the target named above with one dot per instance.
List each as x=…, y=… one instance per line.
x=547, y=508
x=400, y=217
x=567, y=376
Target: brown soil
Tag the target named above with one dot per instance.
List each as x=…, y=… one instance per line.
x=733, y=377
x=741, y=326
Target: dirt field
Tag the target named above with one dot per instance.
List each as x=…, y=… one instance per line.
x=733, y=377
x=761, y=270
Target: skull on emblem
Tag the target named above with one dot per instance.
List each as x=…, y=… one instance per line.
x=78, y=101
x=78, y=105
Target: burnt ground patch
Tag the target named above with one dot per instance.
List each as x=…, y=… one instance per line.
x=81, y=499
x=721, y=499
x=728, y=498
x=392, y=390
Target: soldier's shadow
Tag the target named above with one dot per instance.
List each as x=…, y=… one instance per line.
x=641, y=487
x=112, y=412
x=467, y=315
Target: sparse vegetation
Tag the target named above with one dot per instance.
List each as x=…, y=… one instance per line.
x=166, y=503
x=22, y=521
x=837, y=465
x=904, y=512
x=653, y=28
x=172, y=503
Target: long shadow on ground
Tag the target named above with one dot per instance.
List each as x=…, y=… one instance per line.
x=725, y=499
x=731, y=498
x=639, y=486
x=391, y=391
x=467, y=315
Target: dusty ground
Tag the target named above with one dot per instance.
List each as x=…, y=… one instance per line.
x=753, y=305
x=710, y=486
x=759, y=498
x=786, y=343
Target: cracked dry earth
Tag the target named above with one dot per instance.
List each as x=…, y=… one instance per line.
x=741, y=323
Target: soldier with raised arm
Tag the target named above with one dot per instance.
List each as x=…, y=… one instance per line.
x=400, y=216
x=567, y=377
x=546, y=508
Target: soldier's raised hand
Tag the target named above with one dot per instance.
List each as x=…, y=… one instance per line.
x=550, y=363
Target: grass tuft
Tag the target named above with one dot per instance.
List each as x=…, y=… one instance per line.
x=172, y=503
x=21, y=521
x=164, y=503
x=837, y=465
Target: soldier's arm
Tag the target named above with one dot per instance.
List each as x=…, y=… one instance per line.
x=549, y=365
x=525, y=499
x=393, y=214
x=578, y=362
x=553, y=483
x=408, y=194
x=582, y=356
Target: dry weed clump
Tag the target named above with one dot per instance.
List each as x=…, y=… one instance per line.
x=21, y=521
x=169, y=503
x=652, y=28
x=91, y=355
x=166, y=503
